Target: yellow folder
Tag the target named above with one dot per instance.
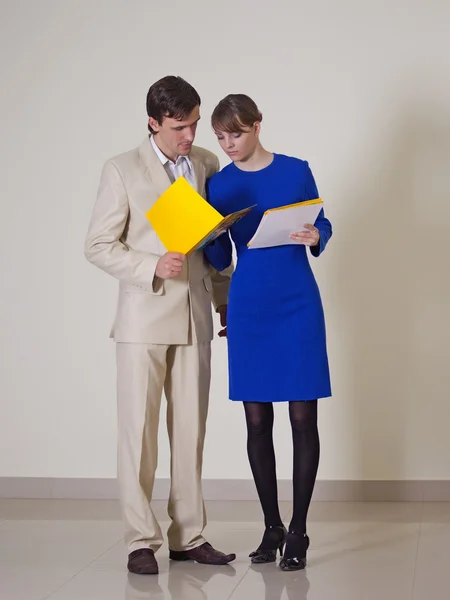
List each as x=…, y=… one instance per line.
x=184, y=221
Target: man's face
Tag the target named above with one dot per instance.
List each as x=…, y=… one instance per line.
x=239, y=146
x=175, y=137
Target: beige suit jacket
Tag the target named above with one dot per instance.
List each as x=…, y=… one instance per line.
x=121, y=241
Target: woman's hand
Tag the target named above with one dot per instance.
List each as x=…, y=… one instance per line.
x=308, y=238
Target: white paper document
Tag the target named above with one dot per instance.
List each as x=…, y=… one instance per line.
x=277, y=224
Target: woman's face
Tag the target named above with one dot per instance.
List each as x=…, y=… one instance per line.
x=239, y=146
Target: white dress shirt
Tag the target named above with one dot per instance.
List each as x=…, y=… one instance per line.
x=181, y=168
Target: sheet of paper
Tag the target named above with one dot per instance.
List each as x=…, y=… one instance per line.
x=277, y=225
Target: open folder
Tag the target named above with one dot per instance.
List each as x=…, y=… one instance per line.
x=277, y=224
x=184, y=221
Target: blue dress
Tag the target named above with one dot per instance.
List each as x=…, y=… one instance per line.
x=276, y=326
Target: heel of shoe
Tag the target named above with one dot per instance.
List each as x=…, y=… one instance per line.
x=281, y=547
x=178, y=555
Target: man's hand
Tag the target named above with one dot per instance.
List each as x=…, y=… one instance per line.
x=222, y=310
x=170, y=265
x=309, y=238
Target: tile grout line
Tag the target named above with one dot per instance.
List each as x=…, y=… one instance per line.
x=80, y=571
x=238, y=583
x=417, y=552
x=285, y=516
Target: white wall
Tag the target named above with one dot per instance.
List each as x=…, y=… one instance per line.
x=360, y=89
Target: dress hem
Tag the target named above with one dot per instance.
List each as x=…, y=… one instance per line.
x=277, y=401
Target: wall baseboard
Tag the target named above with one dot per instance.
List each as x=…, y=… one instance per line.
x=230, y=489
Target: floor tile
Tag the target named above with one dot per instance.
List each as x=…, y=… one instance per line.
x=436, y=512
x=109, y=510
x=385, y=512
x=56, y=543
x=32, y=582
x=248, y=511
x=432, y=579
x=347, y=560
x=85, y=510
x=178, y=581
x=268, y=582
x=73, y=550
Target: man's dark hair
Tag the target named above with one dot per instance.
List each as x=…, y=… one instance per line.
x=171, y=97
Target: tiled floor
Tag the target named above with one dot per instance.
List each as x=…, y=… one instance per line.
x=64, y=550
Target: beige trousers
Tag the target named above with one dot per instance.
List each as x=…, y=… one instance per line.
x=143, y=372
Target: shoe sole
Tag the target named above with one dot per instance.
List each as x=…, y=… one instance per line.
x=300, y=567
x=144, y=572
x=181, y=557
x=263, y=562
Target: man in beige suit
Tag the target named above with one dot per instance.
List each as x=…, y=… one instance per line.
x=163, y=327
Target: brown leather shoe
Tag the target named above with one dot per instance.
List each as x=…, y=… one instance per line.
x=143, y=562
x=204, y=554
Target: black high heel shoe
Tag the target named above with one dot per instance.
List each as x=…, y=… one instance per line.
x=274, y=539
x=294, y=557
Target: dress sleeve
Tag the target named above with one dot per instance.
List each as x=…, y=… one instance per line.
x=220, y=252
x=322, y=223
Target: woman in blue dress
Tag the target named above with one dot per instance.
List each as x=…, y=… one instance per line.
x=275, y=322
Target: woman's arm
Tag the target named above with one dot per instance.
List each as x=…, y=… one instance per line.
x=219, y=253
x=325, y=232
x=322, y=223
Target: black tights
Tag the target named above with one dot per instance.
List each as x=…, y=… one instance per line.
x=305, y=436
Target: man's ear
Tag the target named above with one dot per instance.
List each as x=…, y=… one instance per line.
x=154, y=124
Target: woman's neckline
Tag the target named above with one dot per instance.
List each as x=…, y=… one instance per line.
x=258, y=170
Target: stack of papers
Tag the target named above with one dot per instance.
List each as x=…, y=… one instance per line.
x=277, y=224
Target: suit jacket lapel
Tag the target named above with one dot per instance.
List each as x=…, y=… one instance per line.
x=156, y=173
x=154, y=170
x=199, y=171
